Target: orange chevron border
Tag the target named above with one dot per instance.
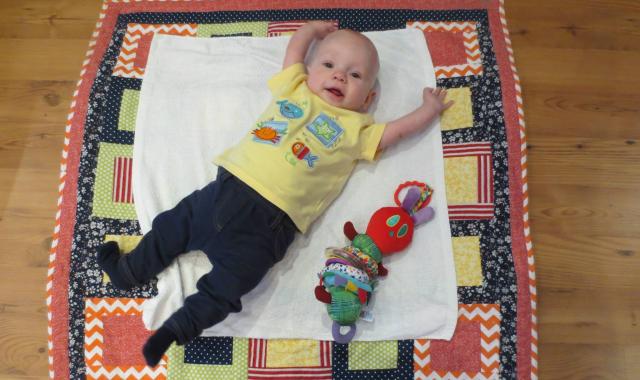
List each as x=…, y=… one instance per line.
x=489, y=317
x=525, y=198
x=125, y=66
x=95, y=310
x=471, y=47
x=457, y=71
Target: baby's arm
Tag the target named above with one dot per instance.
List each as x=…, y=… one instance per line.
x=302, y=38
x=433, y=104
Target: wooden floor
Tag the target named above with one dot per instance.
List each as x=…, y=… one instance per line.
x=577, y=61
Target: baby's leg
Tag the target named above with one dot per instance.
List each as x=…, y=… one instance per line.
x=219, y=292
x=251, y=236
x=218, y=295
x=169, y=237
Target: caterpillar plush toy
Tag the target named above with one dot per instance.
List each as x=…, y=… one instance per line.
x=349, y=276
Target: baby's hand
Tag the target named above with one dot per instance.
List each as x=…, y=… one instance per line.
x=321, y=28
x=432, y=105
x=302, y=39
x=433, y=99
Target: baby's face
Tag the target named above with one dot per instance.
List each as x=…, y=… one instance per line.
x=343, y=71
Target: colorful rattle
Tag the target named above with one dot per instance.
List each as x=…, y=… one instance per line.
x=350, y=273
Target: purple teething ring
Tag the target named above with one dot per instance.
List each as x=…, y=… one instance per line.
x=346, y=338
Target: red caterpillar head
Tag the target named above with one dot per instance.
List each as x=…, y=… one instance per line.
x=391, y=228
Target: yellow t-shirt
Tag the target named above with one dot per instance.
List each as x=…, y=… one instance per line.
x=302, y=150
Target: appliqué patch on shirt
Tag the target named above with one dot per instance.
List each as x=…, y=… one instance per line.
x=290, y=110
x=325, y=129
x=301, y=152
x=270, y=132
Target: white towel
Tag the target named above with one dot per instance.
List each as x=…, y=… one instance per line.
x=199, y=96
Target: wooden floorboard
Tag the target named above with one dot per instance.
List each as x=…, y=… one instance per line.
x=576, y=60
x=582, y=109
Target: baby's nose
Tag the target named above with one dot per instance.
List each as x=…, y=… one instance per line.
x=339, y=75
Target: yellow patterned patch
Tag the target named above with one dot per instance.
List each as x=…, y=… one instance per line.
x=460, y=115
x=461, y=179
x=286, y=353
x=128, y=110
x=126, y=243
x=253, y=29
x=373, y=355
x=466, y=255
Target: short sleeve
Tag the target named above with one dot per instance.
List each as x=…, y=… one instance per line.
x=370, y=137
x=287, y=80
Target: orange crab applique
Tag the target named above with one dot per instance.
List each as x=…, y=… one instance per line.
x=269, y=132
x=266, y=133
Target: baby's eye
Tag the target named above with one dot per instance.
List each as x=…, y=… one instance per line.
x=328, y=65
x=356, y=75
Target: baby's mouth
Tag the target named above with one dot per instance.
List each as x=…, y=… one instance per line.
x=335, y=92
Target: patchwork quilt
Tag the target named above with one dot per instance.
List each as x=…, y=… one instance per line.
x=96, y=331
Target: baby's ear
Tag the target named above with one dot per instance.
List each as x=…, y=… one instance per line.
x=369, y=99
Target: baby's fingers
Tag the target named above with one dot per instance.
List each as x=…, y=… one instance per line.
x=323, y=28
x=439, y=93
x=431, y=91
x=447, y=105
x=331, y=27
x=442, y=97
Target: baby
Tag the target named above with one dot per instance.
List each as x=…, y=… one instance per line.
x=277, y=180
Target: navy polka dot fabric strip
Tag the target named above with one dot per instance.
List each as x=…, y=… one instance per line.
x=212, y=350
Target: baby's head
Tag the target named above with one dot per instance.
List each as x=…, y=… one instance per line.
x=343, y=70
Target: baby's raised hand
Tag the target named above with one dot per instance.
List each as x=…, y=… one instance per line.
x=321, y=28
x=302, y=39
x=433, y=103
x=433, y=99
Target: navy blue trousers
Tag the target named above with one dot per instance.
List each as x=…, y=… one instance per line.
x=242, y=234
